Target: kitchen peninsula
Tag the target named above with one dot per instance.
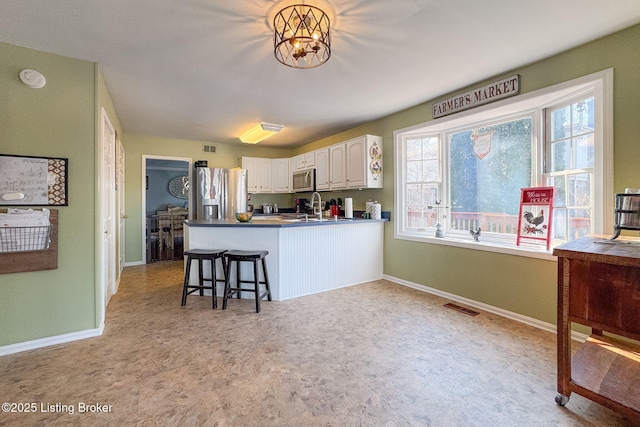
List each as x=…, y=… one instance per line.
x=305, y=257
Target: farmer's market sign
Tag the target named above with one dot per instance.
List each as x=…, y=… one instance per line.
x=474, y=98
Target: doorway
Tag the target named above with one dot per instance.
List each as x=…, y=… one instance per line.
x=166, y=204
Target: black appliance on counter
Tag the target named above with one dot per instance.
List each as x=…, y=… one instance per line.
x=301, y=205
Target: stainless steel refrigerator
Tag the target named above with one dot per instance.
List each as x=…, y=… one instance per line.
x=219, y=193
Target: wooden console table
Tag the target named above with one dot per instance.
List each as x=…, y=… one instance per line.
x=599, y=286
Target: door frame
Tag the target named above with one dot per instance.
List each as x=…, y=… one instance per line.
x=143, y=196
x=106, y=202
x=121, y=207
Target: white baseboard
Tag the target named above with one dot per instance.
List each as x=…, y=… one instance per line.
x=45, y=342
x=131, y=264
x=485, y=307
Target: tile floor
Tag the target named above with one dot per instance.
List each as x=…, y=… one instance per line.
x=376, y=354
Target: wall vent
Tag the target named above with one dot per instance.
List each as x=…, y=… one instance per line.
x=209, y=148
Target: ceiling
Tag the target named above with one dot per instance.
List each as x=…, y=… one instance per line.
x=204, y=69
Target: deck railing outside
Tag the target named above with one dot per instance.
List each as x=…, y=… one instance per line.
x=491, y=223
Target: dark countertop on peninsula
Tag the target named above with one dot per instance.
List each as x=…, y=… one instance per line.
x=278, y=221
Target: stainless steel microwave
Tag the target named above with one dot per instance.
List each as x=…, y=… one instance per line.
x=304, y=180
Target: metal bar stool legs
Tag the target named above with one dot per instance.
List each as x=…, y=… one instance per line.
x=247, y=256
x=202, y=255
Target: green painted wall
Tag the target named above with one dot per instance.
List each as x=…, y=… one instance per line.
x=57, y=121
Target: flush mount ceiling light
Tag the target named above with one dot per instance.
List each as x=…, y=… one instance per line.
x=260, y=132
x=301, y=36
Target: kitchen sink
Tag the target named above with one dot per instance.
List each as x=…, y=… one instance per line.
x=266, y=217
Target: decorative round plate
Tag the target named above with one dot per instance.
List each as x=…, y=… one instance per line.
x=179, y=187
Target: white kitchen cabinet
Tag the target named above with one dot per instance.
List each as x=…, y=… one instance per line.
x=322, y=169
x=258, y=174
x=297, y=163
x=251, y=165
x=264, y=175
x=304, y=161
x=337, y=167
x=364, y=162
x=281, y=178
x=356, y=163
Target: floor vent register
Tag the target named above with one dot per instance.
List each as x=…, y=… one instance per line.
x=461, y=309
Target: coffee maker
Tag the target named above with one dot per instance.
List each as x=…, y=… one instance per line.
x=301, y=205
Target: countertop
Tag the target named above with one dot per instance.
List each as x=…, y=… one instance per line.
x=279, y=221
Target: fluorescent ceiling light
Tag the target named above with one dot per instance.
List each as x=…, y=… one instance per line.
x=260, y=132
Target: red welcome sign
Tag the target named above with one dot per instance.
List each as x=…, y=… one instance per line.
x=536, y=215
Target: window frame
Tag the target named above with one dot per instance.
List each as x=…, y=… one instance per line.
x=601, y=83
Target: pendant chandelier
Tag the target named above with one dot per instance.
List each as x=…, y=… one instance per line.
x=301, y=38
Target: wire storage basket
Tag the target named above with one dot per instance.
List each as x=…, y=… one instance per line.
x=25, y=239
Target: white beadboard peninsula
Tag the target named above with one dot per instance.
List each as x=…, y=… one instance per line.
x=304, y=257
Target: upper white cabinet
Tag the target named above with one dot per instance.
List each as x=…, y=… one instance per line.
x=364, y=162
x=356, y=163
x=322, y=169
x=337, y=167
x=258, y=174
x=251, y=165
x=281, y=178
x=267, y=175
x=264, y=175
x=304, y=161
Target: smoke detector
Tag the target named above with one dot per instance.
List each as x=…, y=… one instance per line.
x=32, y=78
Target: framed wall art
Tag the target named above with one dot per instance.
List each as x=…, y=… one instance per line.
x=33, y=181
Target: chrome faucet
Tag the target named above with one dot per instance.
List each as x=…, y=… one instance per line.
x=313, y=197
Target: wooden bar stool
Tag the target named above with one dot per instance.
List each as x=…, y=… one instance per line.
x=246, y=256
x=202, y=255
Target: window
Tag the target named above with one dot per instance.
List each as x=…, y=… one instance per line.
x=423, y=182
x=464, y=172
x=489, y=164
x=569, y=147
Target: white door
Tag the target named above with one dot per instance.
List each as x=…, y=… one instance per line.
x=120, y=187
x=107, y=211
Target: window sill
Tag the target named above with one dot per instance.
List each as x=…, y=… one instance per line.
x=530, y=251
